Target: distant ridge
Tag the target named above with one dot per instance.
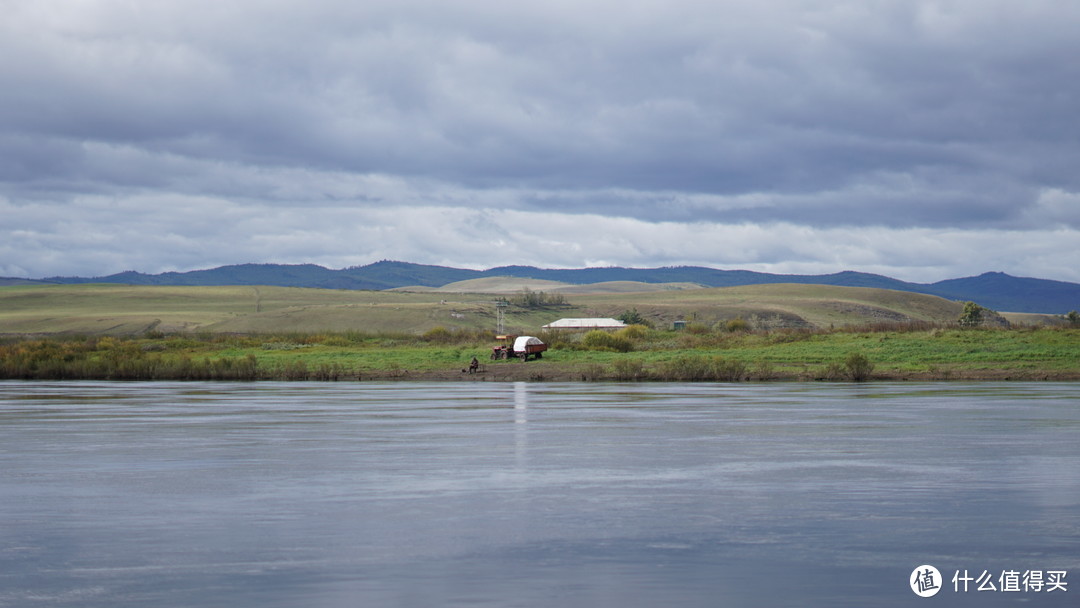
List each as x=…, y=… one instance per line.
x=995, y=290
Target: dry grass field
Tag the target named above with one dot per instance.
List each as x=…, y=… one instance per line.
x=128, y=310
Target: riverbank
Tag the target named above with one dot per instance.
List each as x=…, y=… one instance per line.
x=892, y=353
x=542, y=372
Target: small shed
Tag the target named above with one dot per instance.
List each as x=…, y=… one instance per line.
x=585, y=324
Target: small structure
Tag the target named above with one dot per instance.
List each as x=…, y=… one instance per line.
x=585, y=324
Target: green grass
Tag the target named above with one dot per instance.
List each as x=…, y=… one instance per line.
x=659, y=355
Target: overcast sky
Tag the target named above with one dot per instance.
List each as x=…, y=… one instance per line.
x=918, y=139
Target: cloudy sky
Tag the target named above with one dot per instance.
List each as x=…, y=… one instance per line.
x=918, y=139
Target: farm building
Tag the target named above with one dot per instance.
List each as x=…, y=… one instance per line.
x=584, y=324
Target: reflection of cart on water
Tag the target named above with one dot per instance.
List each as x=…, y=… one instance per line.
x=521, y=347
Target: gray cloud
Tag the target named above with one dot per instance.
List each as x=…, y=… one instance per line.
x=846, y=118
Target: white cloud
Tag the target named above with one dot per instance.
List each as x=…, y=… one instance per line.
x=179, y=233
x=882, y=135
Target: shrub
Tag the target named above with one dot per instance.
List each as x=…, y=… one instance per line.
x=602, y=340
x=629, y=369
x=728, y=370
x=439, y=335
x=972, y=315
x=633, y=317
x=858, y=367
x=832, y=371
x=689, y=368
x=697, y=329
x=554, y=339
x=633, y=332
x=738, y=324
x=696, y=368
x=764, y=370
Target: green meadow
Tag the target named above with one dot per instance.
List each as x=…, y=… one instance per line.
x=937, y=354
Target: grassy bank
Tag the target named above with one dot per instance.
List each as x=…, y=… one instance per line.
x=911, y=351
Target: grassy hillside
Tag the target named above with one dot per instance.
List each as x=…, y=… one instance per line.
x=132, y=309
x=783, y=305
x=127, y=309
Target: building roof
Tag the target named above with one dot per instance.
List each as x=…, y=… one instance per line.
x=585, y=324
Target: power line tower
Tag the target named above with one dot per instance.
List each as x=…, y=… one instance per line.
x=500, y=316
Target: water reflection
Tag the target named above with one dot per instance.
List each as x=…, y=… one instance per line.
x=521, y=417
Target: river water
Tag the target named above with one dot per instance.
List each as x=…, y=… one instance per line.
x=523, y=494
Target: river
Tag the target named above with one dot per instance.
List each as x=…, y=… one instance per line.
x=537, y=494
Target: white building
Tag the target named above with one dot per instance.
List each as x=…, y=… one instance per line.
x=583, y=324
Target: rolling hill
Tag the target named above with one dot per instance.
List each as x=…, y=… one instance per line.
x=128, y=309
x=994, y=290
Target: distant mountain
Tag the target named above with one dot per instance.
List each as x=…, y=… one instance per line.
x=4, y=281
x=1013, y=294
x=994, y=290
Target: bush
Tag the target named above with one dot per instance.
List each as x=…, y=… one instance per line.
x=694, y=368
x=633, y=317
x=764, y=370
x=832, y=371
x=972, y=315
x=602, y=340
x=738, y=324
x=697, y=329
x=633, y=332
x=438, y=335
x=555, y=339
x=728, y=370
x=629, y=369
x=688, y=368
x=858, y=367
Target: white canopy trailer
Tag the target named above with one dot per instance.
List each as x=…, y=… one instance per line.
x=528, y=344
x=521, y=347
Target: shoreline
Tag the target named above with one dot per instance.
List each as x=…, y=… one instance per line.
x=531, y=372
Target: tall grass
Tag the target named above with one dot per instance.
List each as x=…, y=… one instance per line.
x=115, y=359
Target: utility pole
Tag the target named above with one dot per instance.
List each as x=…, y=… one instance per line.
x=500, y=316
